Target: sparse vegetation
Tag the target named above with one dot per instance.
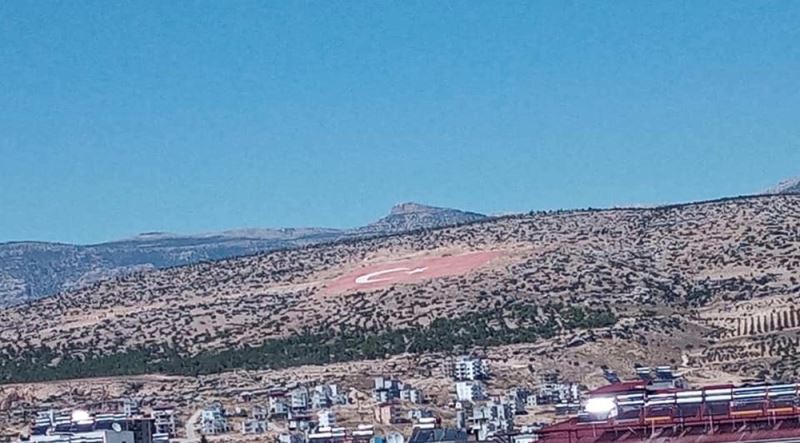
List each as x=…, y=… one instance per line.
x=723, y=274
x=442, y=335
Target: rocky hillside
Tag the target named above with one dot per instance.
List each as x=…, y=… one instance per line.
x=32, y=270
x=791, y=186
x=709, y=285
x=410, y=216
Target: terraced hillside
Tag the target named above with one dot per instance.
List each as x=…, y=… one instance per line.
x=709, y=285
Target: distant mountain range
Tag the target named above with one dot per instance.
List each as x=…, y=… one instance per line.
x=791, y=186
x=32, y=270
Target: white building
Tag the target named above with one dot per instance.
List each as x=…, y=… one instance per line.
x=300, y=422
x=519, y=397
x=130, y=407
x=425, y=423
x=469, y=391
x=254, y=426
x=164, y=421
x=412, y=395
x=326, y=419
x=386, y=389
x=490, y=418
x=325, y=396
x=468, y=368
x=256, y=423
x=52, y=418
x=363, y=432
x=213, y=421
x=278, y=405
x=327, y=435
x=552, y=390
x=416, y=414
x=299, y=400
x=259, y=412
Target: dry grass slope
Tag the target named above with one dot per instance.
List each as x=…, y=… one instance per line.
x=709, y=284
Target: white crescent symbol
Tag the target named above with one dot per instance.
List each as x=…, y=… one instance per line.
x=369, y=278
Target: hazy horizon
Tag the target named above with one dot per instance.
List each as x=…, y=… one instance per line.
x=234, y=229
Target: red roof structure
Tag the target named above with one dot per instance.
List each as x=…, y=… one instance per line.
x=627, y=412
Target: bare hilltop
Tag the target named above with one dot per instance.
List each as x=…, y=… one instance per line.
x=32, y=270
x=790, y=186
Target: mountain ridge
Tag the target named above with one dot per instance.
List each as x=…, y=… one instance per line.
x=30, y=270
x=788, y=186
x=408, y=216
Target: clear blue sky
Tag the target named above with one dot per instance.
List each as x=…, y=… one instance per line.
x=120, y=117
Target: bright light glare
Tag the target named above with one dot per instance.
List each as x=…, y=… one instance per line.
x=79, y=415
x=600, y=405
